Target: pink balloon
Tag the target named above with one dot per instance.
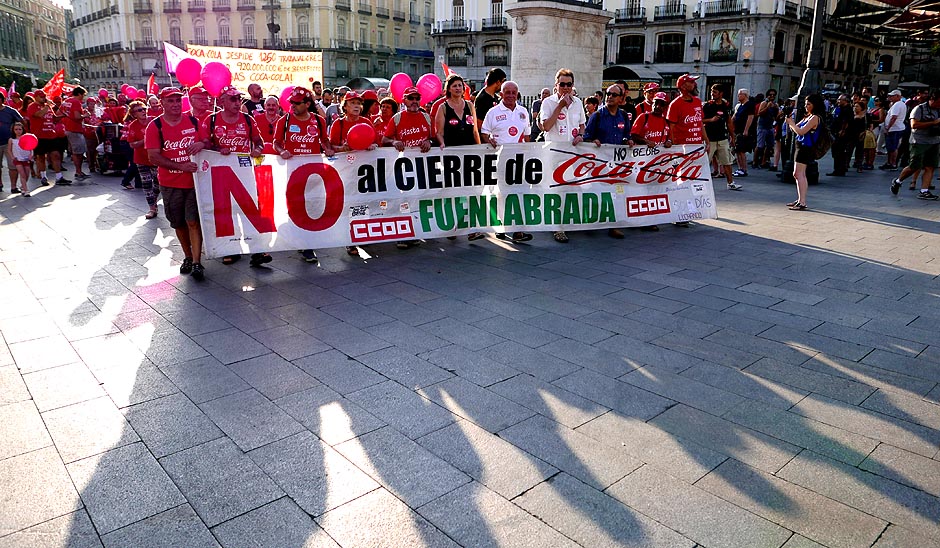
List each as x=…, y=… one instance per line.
x=360, y=136
x=398, y=84
x=285, y=98
x=103, y=93
x=215, y=76
x=28, y=141
x=430, y=87
x=142, y=94
x=188, y=71
x=124, y=88
x=131, y=92
x=186, y=105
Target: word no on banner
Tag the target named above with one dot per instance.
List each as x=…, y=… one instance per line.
x=247, y=206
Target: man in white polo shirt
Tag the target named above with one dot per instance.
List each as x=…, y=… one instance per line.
x=563, y=119
x=505, y=124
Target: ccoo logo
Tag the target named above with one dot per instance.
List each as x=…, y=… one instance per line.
x=379, y=230
x=647, y=205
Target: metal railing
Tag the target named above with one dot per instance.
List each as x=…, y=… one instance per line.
x=457, y=61
x=381, y=12
x=196, y=5
x=495, y=60
x=628, y=15
x=344, y=5
x=790, y=9
x=494, y=23
x=172, y=6
x=248, y=42
x=245, y=5
x=144, y=45
x=669, y=11
x=223, y=43
x=364, y=7
x=454, y=25
x=723, y=7
x=221, y=5
x=398, y=15
x=142, y=6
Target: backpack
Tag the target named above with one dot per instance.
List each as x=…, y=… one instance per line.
x=158, y=121
x=823, y=141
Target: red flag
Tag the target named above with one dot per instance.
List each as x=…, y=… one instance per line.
x=466, y=90
x=152, y=87
x=67, y=89
x=53, y=87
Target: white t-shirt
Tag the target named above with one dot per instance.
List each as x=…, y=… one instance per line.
x=507, y=126
x=569, y=119
x=898, y=109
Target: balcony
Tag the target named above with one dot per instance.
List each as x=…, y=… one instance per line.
x=669, y=11
x=221, y=5
x=806, y=14
x=303, y=44
x=177, y=42
x=248, y=43
x=300, y=4
x=246, y=5
x=343, y=5
x=172, y=6
x=723, y=7
x=414, y=19
x=364, y=46
x=382, y=12
x=457, y=61
x=223, y=43
x=364, y=7
x=271, y=4
x=342, y=43
x=630, y=15
x=791, y=9
x=454, y=25
x=495, y=23
x=144, y=45
x=272, y=44
x=142, y=6
x=495, y=60
x=398, y=15
x=383, y=49
x=196, y=6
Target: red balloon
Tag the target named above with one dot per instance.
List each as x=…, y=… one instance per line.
x=142, y=94
x=360, y=136
x=188, y=71
x=124, y=88
x=398, y=84
x=285, y=98
x=216, y=76
x=103, y=93
x=28, y=141
x=131, y=92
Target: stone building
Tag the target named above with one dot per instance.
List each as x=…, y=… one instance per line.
x=756, y=44
x=33, y=37
x=121, y=40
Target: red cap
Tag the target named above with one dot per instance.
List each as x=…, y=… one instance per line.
x=169, y=92
x=39, y=93
x=369, y=95
x=411, y=91
x=14, y=94
x=230, y=90
x=197, y=89
x=350, y=95
x=661, y=96
x=686, y=78
x=651, y=86
x=301, y=94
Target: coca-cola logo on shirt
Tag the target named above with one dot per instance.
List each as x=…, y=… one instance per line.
x=693, y=119
x=298, y=138
x=234, y=142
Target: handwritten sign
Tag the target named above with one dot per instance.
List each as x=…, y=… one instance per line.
x=272, y=69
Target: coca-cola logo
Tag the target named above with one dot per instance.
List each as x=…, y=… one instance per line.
x=182, y=144
x=234, y=143
x=298, y=138
x=665, y=168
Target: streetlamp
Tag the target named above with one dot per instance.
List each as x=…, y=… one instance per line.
x=273, y=27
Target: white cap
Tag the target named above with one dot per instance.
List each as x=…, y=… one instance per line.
x=895, y=92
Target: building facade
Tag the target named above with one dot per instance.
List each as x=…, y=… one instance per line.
x=121, y=40
x=33, y=37
x=754, y=44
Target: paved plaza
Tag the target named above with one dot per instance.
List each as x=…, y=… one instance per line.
x=766, y=379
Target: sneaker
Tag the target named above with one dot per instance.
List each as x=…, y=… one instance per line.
x=12, y=190
x=309, y=255
x=258, y=259
x=81, y=176
x=186, y=266
x=199, y=272
x=772, y=168
x=25, y=195
x=739, y=173
x=927, y=195
x=44, y=182
x=732, y=186
x=895, y=186
x=63, y=182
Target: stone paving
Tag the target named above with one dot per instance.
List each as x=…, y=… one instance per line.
x=767, y=379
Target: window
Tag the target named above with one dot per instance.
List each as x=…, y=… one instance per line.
x=199, y=31
x=380, y=36
x=224, y=33
x=885, y=63
x=496, y=9
x=341, y=29
x=495, y=54
x=780, y=47
x=364, y=34
x=632, y=49
x=457, y=55
x=850, y=62
x=342, y=68
x=364, y=67
x=798, y=50
x=831, y=63
x=382, y=67
x=146, y=32
x=303, y=28
x=248, y=29
x=397, y=41
x=841, y=65
x=670, y=48
x=457, y=10
x=175, y=35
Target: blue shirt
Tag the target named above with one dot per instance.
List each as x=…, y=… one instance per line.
x=8, y=115
x=607, y=128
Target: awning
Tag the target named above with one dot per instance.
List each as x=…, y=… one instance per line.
x=631, y=72
x=367, y=83
x=913, y=85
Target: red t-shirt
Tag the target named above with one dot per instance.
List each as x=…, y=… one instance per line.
x=265, y=127
x=236, y=136
x=651, y=127
x=153, y=112
x=90, y=127
x=115, y=114
x=71, y=108
x=340, y=129
x=176, y=139
x=379, y=124
x=135, y=131
x=686, y=118
x=43, y=126
x=303, y=136
x=412, y=128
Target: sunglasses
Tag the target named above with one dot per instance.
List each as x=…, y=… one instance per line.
x=565, y=84
x=612, y=94
x=413, y=98
x=296, y=102
x=140, y=110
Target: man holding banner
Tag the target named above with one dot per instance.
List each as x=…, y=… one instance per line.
x=171, y=140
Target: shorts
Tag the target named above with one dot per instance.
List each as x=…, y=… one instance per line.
x=77, y=142
x=56, y=144
x=24, y=163
x=765, y=137
x=924, y=156
x=743, y=143
x=804, y=155
x=720, y=150
x=893, y=140
x=179, y=206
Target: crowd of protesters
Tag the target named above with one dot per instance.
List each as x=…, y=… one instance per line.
x=160, y=134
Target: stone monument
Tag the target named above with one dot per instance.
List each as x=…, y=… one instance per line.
x=551, y=34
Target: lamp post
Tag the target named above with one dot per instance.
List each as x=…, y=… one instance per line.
x=273, y=28
x=808, y=84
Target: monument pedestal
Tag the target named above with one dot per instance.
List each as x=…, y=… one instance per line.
x=548, y=35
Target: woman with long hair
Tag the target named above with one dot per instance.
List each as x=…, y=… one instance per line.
x=807, y=134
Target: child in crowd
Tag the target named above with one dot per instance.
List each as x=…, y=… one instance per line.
x=20, y=159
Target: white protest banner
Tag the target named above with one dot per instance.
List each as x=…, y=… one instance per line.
x=383, y=195
x=272, y=69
